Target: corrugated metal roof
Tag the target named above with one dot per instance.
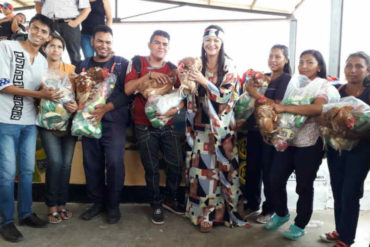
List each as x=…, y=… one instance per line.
x=280, y=7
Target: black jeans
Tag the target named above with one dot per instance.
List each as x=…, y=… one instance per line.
x=348, y=172
x=59, y=152
x=259, y=160
x=72, y=37
x=151, y=141
x=103, y=164
x=305, y=161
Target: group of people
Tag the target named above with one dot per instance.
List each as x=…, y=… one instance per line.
x=214, y=195
x=12, y=24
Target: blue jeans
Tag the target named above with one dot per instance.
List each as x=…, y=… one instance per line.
x=86, y=45
x=18, y=146
x=150, y=141
x=348, y=172
x=59, y=151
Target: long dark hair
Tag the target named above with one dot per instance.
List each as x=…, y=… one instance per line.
x=320, y=60
x=221, y=60
x=285, y=51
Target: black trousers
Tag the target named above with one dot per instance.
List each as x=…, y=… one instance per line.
x=103, y=164
x=348, y=172
x=305, y=161
x=151, y=141
x=259, y=160
x=72, y=37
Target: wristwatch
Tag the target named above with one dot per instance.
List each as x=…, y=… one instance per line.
x=178, y=110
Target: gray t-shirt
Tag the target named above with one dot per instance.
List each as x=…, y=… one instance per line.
x=17, y=70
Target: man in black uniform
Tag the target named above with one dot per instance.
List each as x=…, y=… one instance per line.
x=106, y=153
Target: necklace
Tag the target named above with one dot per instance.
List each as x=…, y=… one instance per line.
x=212, y=69
x=355, y=92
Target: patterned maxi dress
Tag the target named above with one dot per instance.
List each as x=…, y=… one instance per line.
x=212, y=158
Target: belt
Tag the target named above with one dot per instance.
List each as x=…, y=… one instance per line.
x=64, y=20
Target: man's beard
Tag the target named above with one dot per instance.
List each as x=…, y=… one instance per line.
x=102, y=56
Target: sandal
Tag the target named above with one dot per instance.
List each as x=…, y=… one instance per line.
x=330, y=237
x=205, y=226
x=54, y=218
x=340, y=244
x=65, y=214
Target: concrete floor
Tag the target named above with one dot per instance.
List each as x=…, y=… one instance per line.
x=135, y=230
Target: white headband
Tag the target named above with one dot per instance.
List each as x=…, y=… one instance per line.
x=213, y=32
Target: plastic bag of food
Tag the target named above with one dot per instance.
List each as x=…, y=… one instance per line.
x=349, y=114
x=244, y=106
x=160, y=104
x=300, y=91
x=82, y=124
x=53, y=115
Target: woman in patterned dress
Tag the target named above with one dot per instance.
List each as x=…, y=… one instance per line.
x=212, y=175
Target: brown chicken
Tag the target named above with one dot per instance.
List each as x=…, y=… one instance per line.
x=338, y=120
x=85, y=82
x=186, y=66
x=267, y=121
x=257, y=79
x=152, y=87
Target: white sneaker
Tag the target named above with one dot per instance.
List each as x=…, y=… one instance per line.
x=262, y=218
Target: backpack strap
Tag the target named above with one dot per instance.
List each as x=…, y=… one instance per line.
x=137, y=65
x=172, y=66
x=84, y=64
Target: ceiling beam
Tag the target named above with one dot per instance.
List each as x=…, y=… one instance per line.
x=20, y=2
x=221, y=6
x=253, y=4
x=123, y=21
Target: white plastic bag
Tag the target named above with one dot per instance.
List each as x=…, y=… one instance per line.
x=244, y=106
x=356, y=118
x=300, y=91
x=160, y=104
x=53, y=115
x=82, y=125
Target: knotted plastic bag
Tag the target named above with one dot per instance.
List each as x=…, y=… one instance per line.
x=350, y=113
x=53, y=115
x=82, y=124
x=160, y=104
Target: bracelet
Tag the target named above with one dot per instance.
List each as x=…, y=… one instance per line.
x=150, y=75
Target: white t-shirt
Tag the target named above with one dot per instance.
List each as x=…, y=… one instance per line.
x=64, y=9
x=16, y=69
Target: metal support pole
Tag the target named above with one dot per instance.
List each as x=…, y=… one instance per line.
x=293, y=42
x=116, y=19
x=335, y=37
